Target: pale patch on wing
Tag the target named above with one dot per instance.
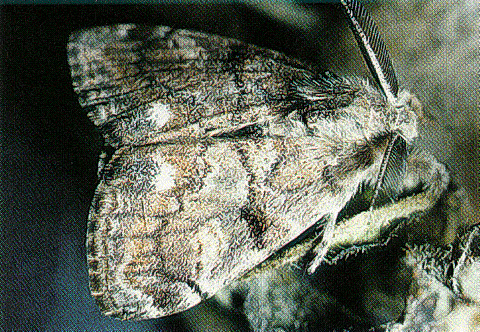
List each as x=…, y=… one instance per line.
x=160, y=113
x=226, y=185
x=122, y=31
x=262, y=158
x=128, y=297
x=190, y=49
x=214, y=237
x=165, y=178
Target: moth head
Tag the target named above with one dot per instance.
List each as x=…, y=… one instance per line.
x=407, y=107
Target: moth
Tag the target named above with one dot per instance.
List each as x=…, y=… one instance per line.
x=223, y=157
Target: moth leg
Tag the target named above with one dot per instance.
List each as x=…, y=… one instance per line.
x=321, y=250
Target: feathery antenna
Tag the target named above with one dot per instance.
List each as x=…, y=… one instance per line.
x=373, y=48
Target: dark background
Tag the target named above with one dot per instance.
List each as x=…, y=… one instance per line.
x=49, y=149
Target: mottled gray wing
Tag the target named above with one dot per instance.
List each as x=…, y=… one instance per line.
x=171, y=224
x=191, y=199
x=143, y=85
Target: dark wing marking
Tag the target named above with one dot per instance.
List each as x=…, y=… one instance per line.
x=322, y=92
x=326, y=86
x=373, y=48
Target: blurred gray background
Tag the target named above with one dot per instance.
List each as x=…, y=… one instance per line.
x=49, y=149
